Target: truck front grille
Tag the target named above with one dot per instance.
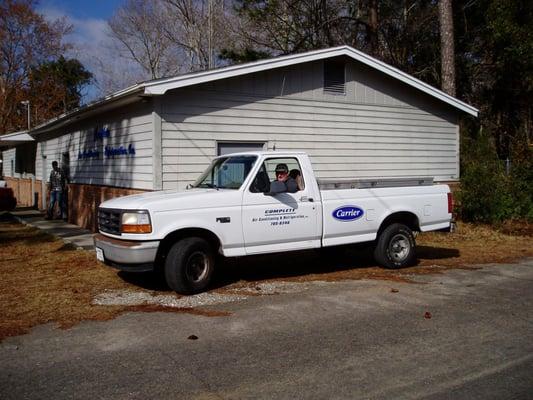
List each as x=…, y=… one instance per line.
x=109, y=221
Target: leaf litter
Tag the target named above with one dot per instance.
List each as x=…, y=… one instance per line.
x=44, y=281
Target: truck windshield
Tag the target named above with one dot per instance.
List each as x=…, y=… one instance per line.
x=226, y=173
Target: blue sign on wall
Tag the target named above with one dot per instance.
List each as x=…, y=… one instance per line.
x=101, y=133
x=108, y=151
x=119, y=151
x=86, y=154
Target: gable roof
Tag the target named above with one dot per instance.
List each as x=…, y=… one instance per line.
x=159, y=87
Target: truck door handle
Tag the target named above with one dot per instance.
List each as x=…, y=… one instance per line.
x=305, y=198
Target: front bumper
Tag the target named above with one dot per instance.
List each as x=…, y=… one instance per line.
x=127, y=255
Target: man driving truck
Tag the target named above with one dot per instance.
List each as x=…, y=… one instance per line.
x=282, y=175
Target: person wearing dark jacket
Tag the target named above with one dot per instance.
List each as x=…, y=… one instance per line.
x=282, y=175
x=57, y=187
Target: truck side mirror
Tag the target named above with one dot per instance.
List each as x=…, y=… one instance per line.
x=276, y=187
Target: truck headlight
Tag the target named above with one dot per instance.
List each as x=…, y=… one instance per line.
x=136, y=222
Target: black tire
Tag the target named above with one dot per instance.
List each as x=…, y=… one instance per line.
x=189, y=265
x=395, y=247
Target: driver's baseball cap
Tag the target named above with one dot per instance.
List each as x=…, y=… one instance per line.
x=282, y=168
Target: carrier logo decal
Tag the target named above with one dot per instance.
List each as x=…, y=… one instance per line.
x=347, y=213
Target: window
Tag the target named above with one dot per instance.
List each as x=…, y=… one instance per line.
x=334, y=77
x=267, y=174
x=238, y=147
x=226, y=173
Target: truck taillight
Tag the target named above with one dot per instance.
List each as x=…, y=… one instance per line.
x=450, y=203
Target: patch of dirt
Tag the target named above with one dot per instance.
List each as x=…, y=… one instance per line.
x=44, y=280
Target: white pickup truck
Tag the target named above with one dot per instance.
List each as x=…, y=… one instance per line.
x=244, y=204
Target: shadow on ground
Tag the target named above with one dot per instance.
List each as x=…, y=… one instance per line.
x=436, y=253
x=328, y=264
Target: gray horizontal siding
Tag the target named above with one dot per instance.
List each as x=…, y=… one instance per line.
x=131, y=125
x=7, y=157
x=344, y=140
x=304, y=81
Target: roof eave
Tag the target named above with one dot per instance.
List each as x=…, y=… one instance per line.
x=15, y=138
x=73, y=115
x=162, y=86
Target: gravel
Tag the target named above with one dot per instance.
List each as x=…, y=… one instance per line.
x=134, y=298
x=269, y=288
x=131, y=298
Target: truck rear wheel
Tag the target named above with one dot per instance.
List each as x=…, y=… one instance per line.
x=395, y=247
x=189, y=266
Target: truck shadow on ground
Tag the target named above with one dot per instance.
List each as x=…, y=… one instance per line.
x=326, y=264
x=436, y=253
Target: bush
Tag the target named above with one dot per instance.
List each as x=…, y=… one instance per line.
x=521, y=186
x=487, y=193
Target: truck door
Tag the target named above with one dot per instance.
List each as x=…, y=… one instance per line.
x=284, y=221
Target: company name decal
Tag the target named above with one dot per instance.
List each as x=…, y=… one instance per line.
x=347, y=213
x=279, y=217
x=108, y=151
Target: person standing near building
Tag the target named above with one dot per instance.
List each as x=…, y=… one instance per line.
x=57, y=187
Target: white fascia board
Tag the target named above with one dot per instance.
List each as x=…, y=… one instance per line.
x=160, y=87
x=21, y=136
x=412, y=81
x=14, y=139
x=89, y=106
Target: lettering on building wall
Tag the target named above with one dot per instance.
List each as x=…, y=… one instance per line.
x=119, y=151
x=108, y=151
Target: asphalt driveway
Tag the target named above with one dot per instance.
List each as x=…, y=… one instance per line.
x=465, y=334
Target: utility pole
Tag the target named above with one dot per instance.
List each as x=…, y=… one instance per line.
x=210, y=35
x=27, y=104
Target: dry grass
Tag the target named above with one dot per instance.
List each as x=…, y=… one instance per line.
x=476, y=244
x=469, y=246
x=44, y=280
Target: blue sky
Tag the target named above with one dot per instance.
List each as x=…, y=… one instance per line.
x=82, y=9
x=91, y=41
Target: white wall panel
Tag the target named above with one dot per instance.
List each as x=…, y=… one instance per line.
x=377, y=129
x=8, y=162
x=131, y=125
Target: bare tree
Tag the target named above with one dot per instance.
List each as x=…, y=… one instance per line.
x=447, y=48
x=140, y=26
x=167, y=37
x=372, y=28
x=115, y=74
x=201, y=30
x=26, y=40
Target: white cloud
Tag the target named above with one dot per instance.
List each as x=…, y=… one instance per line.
x=93, y=45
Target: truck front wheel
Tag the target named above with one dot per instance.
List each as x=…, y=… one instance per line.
x=189, y=265
x=395, y=247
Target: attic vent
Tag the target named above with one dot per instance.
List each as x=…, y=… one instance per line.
x=334, y=77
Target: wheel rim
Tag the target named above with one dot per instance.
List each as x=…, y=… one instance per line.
x=399, y=247
x=197, y=267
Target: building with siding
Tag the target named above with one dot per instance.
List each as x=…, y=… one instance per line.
x=355, y=116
